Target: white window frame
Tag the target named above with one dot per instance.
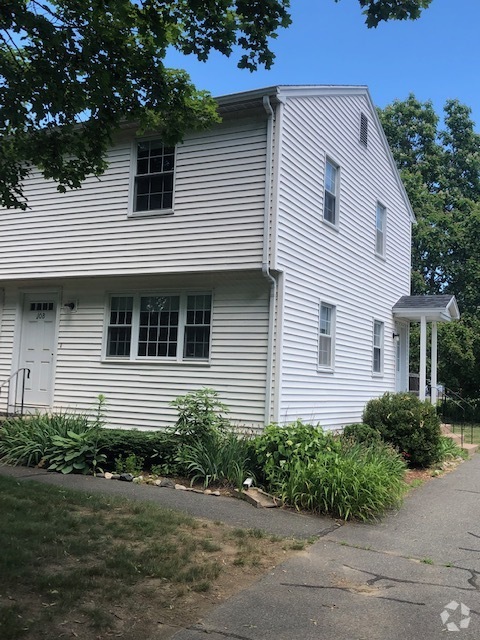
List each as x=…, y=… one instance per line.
x=336, y=194
x=132, y=213
x=327, y=337
x=133, y=356
x=378, y=346
x=380, y=230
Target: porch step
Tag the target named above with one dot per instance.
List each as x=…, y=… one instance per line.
x=446, y=430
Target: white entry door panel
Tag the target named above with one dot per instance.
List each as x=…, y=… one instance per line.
x=38, y=346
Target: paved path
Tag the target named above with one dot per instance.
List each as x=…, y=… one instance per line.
x=389, y=581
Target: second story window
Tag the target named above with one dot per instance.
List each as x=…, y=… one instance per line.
x=155, y=165
x=380, y=224
x=330, y=205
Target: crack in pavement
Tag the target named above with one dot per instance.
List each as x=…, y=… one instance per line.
x=467, y=491
x=349, y=590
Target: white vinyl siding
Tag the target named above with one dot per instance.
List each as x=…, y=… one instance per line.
x=340, y=268
x=217, y=224
x=380, y=229
x=139, y=392
x=378, y=346
x=326, y=338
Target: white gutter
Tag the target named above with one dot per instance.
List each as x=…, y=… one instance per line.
x=266, y=259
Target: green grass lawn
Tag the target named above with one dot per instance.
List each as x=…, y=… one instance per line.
x=74, y=565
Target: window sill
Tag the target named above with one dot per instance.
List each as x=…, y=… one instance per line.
x=156, y=361
x=330, y=225
x=380, y=257
x=325, y=370
x=378, y=374
x=151, y=214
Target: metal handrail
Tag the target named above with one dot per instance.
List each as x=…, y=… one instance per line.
x=464, y=405
x=25, y=371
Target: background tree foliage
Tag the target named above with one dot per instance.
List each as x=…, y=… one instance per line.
x=440, y=166
x=72, y=71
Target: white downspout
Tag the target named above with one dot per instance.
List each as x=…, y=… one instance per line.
x=265, y=259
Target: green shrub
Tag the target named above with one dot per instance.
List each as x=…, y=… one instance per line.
x=448, y=449
x=220, y=457
x=278, y=449
x=25, y=440
x=410, y=425
x=155, y=448
x=200, y=413
x=75, y=452
x=360, y=432
x=131, y=464
x=358, y=481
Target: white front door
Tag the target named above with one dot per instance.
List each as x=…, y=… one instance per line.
x=38, y=347
x=401, y=356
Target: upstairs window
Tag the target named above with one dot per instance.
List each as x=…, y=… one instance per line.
x=155, y=165
x=380, y=226
x=330, y=206
x=378, y=331
x=174, y=327
x=326, y=336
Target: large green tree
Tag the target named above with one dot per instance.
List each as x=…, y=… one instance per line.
x=72, y=71
x=440, y=166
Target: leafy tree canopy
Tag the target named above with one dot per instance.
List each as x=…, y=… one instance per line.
x=71, y=71
x=440, y=166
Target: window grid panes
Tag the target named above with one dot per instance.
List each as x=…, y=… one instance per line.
x=41, y=306
x=120, y=326
x=197, y=326
x=326, y=336
x=158, y=326
x=154, y=177
x=380, y=220
x=377, y=346
x=330, y=204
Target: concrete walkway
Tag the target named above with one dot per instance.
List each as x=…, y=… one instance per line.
x=389, y=581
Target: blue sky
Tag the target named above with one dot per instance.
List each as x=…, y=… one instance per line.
x=436, y=57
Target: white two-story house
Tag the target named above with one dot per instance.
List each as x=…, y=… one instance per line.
x=261, y=258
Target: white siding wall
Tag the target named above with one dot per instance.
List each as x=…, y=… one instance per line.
x=138, y=393
x=338, y=267
x=217, y=223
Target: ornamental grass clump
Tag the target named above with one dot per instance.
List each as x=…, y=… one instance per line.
x=324, y=473
x=408, y=424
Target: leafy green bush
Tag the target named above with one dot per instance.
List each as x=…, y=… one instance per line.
x=360, y=432
x=357, y=481
x=324, y=473
x=448, y=449
x=219, y=457
x=130, y=464
x=25, y=440
x=75, y=452
x=158, y=448
x=410, y=425
x=279, y=449
x=200, y=413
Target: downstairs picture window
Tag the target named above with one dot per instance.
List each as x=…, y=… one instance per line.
x=154, y=326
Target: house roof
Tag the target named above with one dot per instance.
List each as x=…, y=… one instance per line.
x=441, y=308
x=280, y=93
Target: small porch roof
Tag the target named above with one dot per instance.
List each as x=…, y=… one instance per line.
x=441, y=308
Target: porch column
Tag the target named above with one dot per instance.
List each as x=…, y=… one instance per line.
x=433, y=377
x=423, y=357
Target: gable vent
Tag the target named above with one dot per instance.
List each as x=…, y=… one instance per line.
x=363, y=129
